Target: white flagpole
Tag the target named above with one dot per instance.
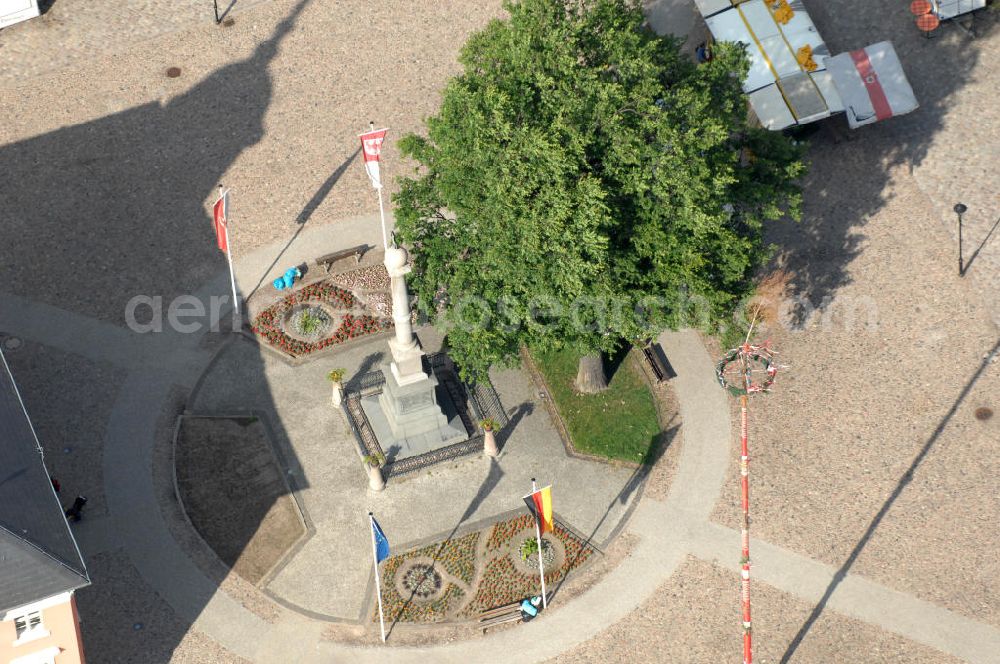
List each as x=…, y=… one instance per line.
x=378, y=584
x=381, y=212
x=378, y=188
x=538, y=536
x=229, y=255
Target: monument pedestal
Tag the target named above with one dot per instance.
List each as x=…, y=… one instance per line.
x=413, y=418
x=413, y=414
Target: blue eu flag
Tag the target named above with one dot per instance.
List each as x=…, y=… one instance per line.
x=381, y=543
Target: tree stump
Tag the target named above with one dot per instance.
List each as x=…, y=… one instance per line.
x=590, y=378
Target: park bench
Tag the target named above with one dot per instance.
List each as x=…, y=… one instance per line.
x=500, y=615
x=657, y=362
x=328, y=260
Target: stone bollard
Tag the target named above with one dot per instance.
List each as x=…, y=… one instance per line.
x=338, y=394
x=490, y=448
x=375, y=480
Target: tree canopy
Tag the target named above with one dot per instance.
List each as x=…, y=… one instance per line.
x=580, y=166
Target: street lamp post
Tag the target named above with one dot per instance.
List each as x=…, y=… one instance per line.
x=960, y=210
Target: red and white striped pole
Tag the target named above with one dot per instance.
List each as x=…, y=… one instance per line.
x=745, y=530
x=743, y=362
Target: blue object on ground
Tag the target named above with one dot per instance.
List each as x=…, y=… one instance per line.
x=279, y=283
x=291, y=274
x=529, y=608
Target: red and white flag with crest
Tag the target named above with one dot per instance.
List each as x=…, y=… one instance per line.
x=220, y=220
x=371, y=148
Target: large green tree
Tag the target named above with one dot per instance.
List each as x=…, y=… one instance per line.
x=586, y=184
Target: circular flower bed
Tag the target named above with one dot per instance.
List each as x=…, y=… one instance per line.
x=553, y=554
x=418, y=581
x=309, y=322
x=422, y=580
x=269, y=323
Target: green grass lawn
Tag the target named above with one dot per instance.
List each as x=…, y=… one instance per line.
x=619, y=423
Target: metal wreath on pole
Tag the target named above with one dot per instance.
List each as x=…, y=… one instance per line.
x=747, y=360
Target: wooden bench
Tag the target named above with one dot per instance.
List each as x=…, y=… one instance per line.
x=658, y=362
x=500, y=615
x=328, y=260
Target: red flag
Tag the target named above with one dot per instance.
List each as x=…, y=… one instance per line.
x=371, y=148
x=220, y=212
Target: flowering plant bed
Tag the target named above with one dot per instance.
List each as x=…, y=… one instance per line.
x=456, y=558
x=353, y=323
x=503, y=583
x=504, y=531
x=458, y=579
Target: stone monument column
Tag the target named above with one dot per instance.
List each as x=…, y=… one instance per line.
x=407, y=416
x=407, y=356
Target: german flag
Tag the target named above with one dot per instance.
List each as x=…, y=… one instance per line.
x=540, y=505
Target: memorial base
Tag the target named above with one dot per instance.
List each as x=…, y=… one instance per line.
x=413, y=418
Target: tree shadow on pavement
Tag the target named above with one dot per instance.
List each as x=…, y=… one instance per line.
x=850, y=170
x=906, y=478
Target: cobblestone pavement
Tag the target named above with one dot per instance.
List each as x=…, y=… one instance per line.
x=74, y=32
x=110, y=167
x=950, y=145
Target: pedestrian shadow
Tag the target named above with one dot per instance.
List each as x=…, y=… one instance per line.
x=907, y=477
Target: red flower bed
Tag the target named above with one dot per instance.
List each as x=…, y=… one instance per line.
x=268, y=323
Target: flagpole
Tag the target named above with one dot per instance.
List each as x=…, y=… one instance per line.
x=538, y=536
x=229, y=255
x=378, y=584
x=381, y=212
x=378, y=188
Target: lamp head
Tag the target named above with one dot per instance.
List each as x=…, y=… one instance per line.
x=960, y=208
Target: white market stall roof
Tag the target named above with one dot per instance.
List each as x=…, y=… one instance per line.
x=15, y=11
x=789, y=82
x=872, y=84
x=946, y=9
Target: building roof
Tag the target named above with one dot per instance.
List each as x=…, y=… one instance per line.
x=39, y=557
